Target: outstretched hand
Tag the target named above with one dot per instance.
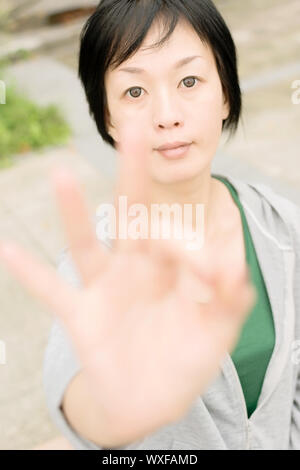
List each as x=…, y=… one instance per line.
x=146, y=347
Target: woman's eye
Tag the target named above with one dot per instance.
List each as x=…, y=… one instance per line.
x=189, y=80
x=134, y=95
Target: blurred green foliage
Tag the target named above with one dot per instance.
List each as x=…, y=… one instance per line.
x=26, y=126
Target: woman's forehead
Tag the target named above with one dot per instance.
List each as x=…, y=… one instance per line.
x=183, y=46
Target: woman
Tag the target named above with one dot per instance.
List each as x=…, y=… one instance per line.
x=139, y=355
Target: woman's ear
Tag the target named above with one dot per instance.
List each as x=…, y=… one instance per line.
x=110, y=128
x=226, y=107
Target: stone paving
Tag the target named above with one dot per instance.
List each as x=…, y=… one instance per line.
x=265, y=149
x=267, y=36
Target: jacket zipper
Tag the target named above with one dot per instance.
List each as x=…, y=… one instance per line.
x=245, y=412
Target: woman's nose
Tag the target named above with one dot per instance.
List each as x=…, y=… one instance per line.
x=167, y=113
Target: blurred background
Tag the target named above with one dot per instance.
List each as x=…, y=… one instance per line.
x=44, y=120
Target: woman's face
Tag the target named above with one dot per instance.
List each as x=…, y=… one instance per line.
x=183, y=103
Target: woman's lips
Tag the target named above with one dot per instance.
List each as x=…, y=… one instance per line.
x=178, y=152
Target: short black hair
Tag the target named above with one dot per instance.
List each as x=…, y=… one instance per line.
x=116, y=30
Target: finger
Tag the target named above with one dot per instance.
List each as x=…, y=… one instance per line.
x=233, y=292
x=132, y=185
x=41, y=281
x=245, y=301
x=232, y=303
x=226, y=313
x=202, y=263
x=87, y=253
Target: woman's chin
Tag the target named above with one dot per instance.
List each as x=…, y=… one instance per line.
x=164, y=171
x=175, y=175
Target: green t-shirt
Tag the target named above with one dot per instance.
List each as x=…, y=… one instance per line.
x=255, y=346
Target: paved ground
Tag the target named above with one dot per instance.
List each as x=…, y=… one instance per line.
x=268, y=42
x=266, y=149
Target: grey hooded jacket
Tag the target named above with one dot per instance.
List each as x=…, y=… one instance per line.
x=218, y=419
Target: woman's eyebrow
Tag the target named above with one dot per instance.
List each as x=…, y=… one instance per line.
x=177, y=65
